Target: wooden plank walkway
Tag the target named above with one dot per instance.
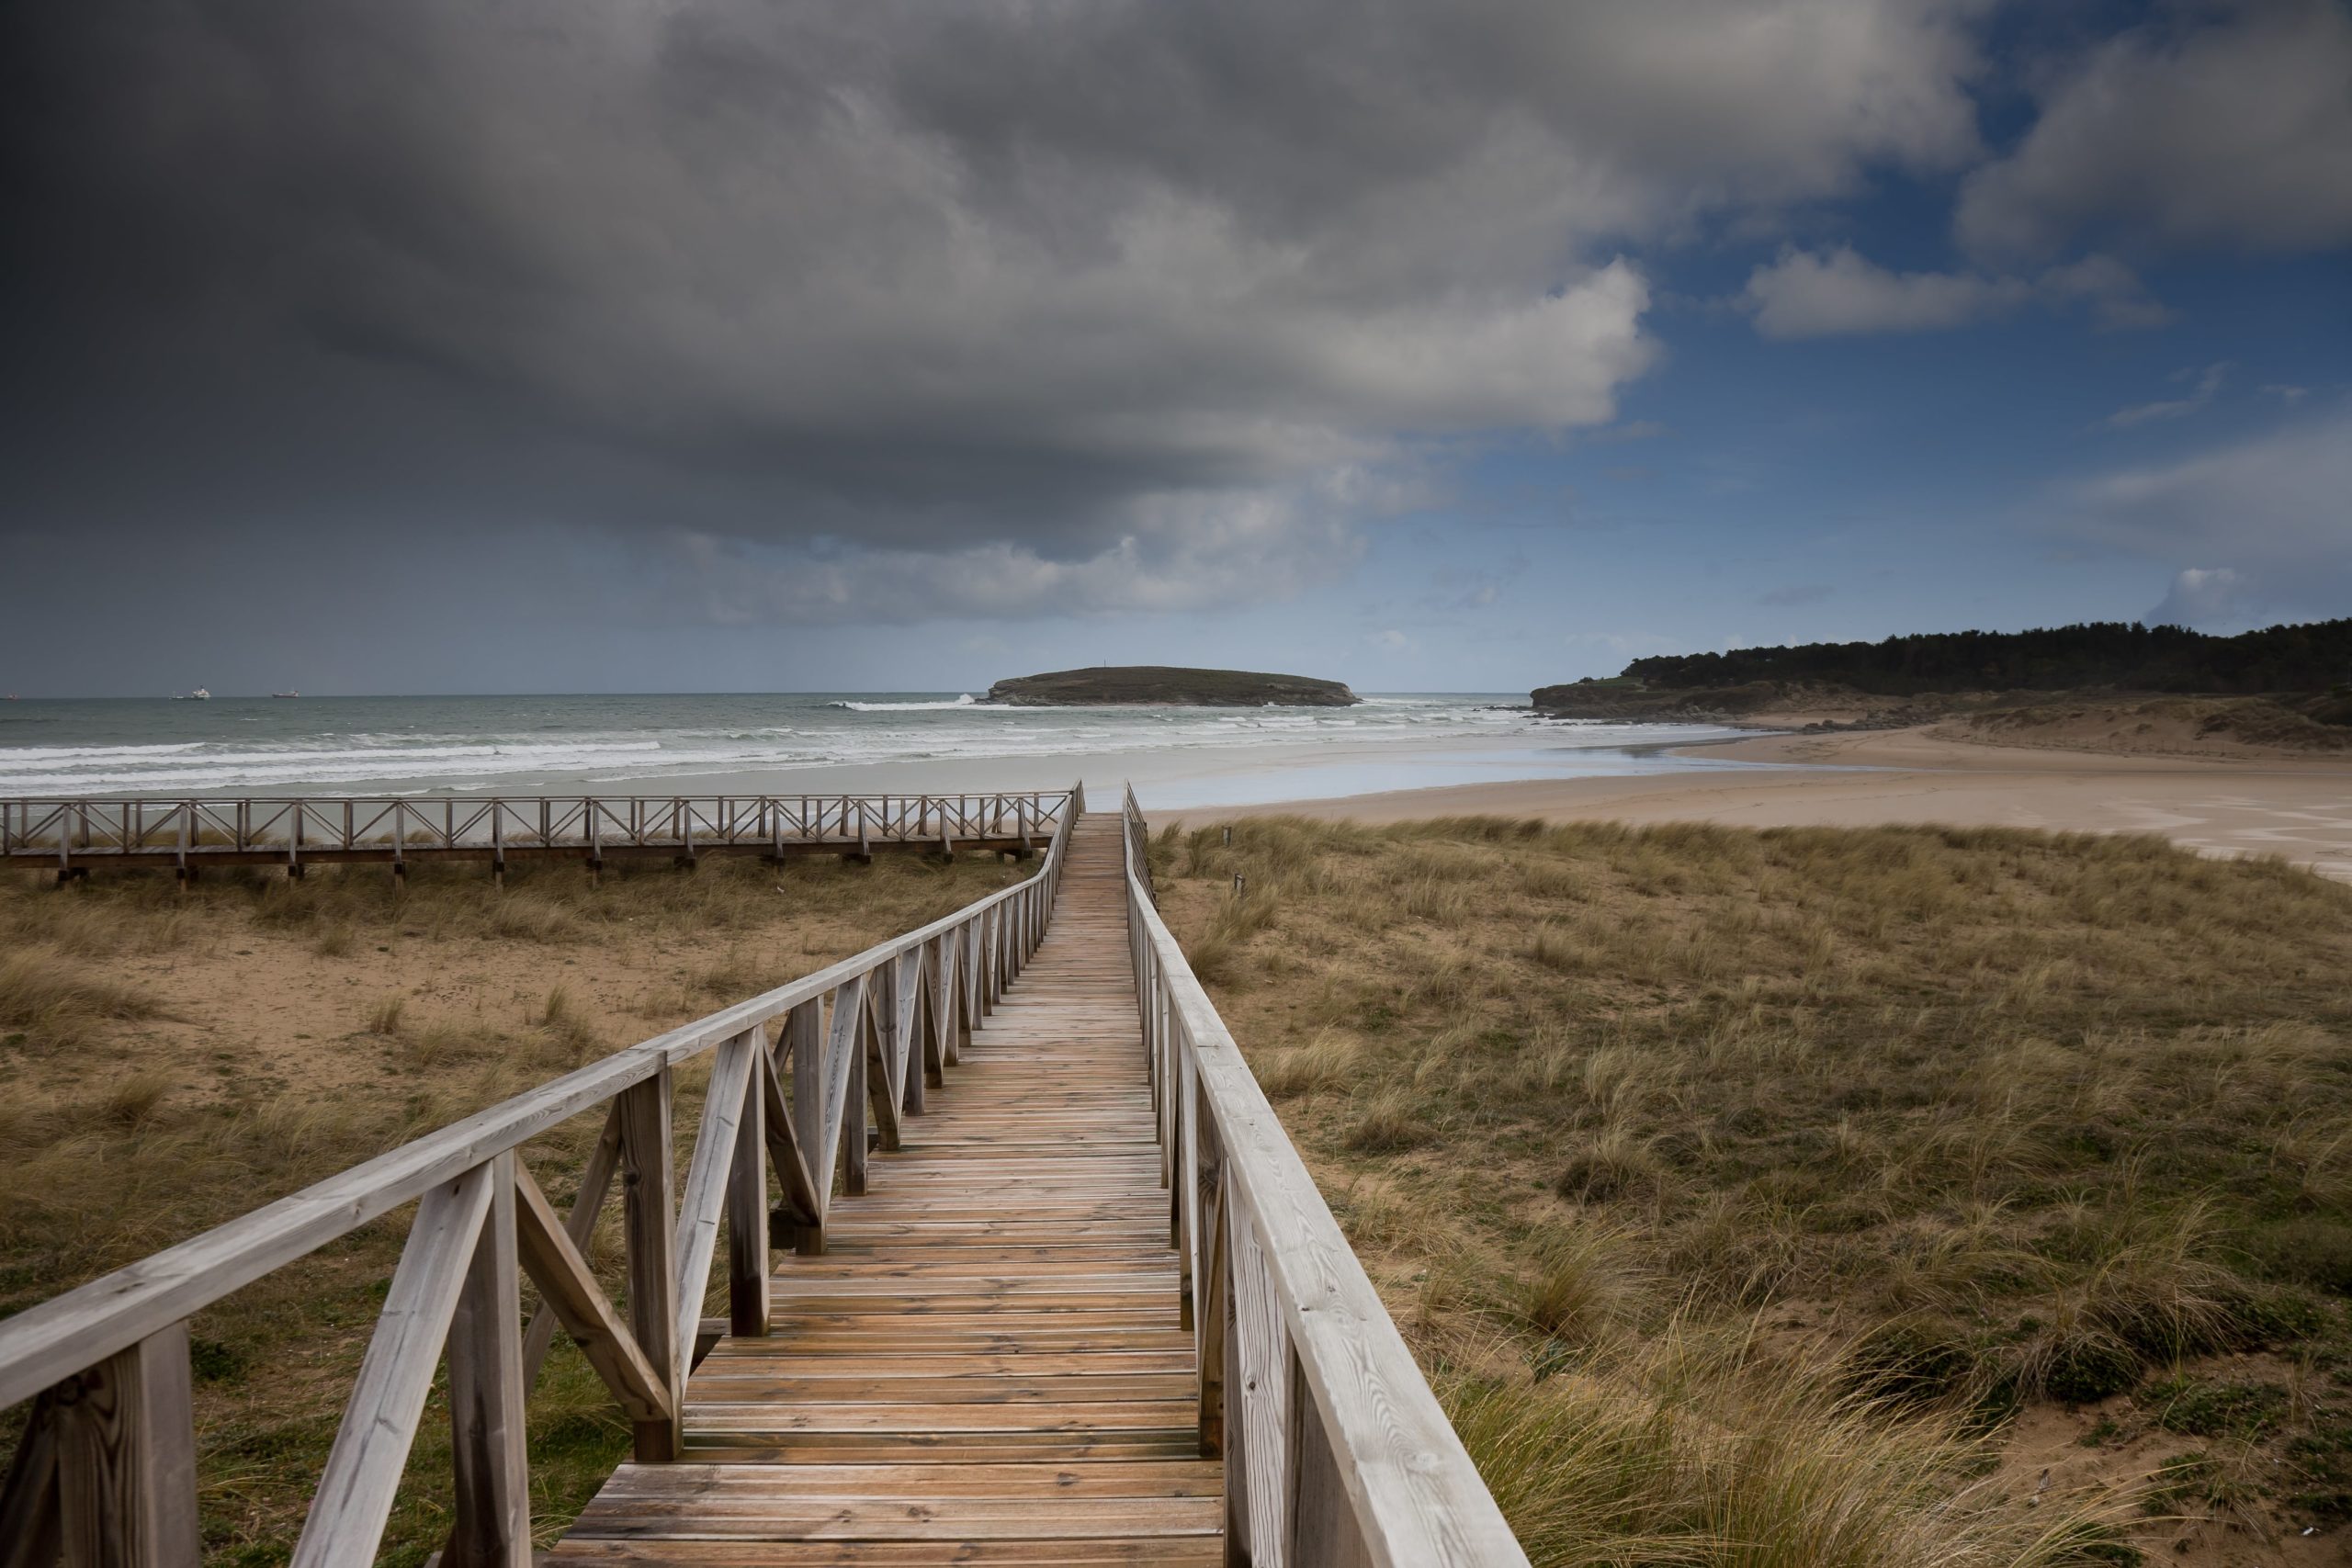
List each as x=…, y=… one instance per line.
x=986, y=1367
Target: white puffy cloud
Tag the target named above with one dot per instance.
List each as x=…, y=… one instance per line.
x=2223, y=125
x=1819, y=294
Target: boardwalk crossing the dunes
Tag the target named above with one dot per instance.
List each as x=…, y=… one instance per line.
x=985, y=1365
x=1072, y=1301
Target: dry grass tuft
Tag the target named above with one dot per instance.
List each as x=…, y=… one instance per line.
x=50, y=998
x=1615, y=1164
x=1387, y=1121
x=522, y=916
x=567, y=1028
x=133, y=1102
x=1584, y=1288
x=1326, y=1062
x=1691, y=1449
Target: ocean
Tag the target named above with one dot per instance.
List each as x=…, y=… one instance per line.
x=798, y=742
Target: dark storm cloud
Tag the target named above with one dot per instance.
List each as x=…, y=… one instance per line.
x=1142, y=303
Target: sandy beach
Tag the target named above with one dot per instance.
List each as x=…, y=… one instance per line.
x=2299, y=809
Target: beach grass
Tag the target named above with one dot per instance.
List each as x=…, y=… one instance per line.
x=1733, y=1180
x=176, y=1059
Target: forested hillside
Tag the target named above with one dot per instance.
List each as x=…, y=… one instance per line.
x=2123, y=655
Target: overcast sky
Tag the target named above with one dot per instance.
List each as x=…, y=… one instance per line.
x=720, y=344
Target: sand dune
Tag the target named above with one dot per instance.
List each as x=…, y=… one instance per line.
x=2300, y=809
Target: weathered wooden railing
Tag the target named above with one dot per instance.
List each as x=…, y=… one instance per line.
x=106, y=1472
x=77, y=834
x=1336, y=1451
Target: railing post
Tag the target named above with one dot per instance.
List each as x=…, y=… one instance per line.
x=486, y=1430
x=649, y=1224
x=804, y=1033
x=1212, y=1272
x=1148, y=1004
x=1172, y=1084
x=747, y=1202
x=914, y=1046
x=1166, y=1022
x=1259, y=1425
x=125, y=1459
x=984, y=960
x=883, y=1053
x=1002, y=948
x=939, y=1028
x=1183, y=1221
x=854, y=1040
x=958, y=1025
x=709, y=1180
x=967, y=977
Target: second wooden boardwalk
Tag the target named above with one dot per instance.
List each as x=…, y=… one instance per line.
x=987, y=1365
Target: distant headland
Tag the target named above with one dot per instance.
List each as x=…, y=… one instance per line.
x=2111, y=686
x=1163, y=685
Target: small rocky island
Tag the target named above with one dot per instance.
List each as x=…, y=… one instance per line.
x=1163, y=685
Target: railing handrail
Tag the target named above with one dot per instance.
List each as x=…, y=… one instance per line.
x=1410, y=1490
x=114, y=1311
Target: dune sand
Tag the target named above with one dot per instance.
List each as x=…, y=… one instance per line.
x=2299, y=809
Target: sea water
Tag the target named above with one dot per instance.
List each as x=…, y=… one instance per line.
x=791, y=744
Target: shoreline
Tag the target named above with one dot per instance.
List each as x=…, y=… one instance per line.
x=2223, y=805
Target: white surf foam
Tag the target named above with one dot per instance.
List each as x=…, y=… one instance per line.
x=965, y=701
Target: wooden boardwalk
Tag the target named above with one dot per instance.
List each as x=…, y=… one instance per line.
x=986, y=1352
x=987, y=1365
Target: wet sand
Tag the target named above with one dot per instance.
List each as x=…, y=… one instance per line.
x=2299, y=809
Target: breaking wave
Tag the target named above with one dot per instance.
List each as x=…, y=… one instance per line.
x=965, y=701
